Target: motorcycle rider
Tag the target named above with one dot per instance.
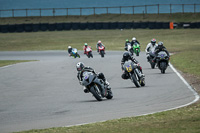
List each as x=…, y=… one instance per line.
x=85, y=47
x=99, y=43
x=126, y=44
x=159, y=48
x=134, y=41
x=126, y=57
x=82, y=68
x=70, y=50
x=150, y=48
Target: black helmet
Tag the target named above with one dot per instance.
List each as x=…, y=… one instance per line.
x=80, y=66
x=153, y=41
x=160, y=44
x=126, y=55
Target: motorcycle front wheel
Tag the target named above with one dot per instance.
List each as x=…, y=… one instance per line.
x=134, y=80
x=95, y=90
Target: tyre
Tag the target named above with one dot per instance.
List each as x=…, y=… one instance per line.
x=142, y=82
x=102, y=53
x=163, y=67
x=134, y=80
x=110, y=94
x=152, y=64
x=95, y=90
x=137, y=53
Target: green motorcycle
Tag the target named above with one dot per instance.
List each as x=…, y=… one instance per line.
x=136, y=49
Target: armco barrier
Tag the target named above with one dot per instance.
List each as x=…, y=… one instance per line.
x=93, y=26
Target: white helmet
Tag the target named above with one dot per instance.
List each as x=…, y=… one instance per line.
x=69, y=47
x=99, y=41
x=80, y=66
x=134, y=39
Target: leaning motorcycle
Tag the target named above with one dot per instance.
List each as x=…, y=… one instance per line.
x=89, y=52
x=134, y=73
x=96, y=86
x=136, y=49
x=162, y=60
x=101, y=50
x=75, y=53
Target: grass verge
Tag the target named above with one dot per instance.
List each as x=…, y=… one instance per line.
x=10, y=62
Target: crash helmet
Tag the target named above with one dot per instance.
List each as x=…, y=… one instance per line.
x=69, y=47
x=153, y=41
x=85, y=44
x=99, y=41
x=127, y=40
x=133, y=39
x=126, y=56
x=160, y=44
x=80, y=66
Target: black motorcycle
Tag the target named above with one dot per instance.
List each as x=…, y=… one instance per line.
x=96, y=86
x=134, y=73
x=162, y=61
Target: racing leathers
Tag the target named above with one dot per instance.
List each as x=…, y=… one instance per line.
x=70, y=51
x=150, y=48
x=134, y=42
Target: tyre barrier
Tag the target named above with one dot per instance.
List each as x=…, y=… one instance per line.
x=94, y=26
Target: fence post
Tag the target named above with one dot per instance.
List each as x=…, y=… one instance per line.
x=0, y=13
x=120, y=10
x=80, y=11
x=194, y=8
x=40, y=12
x=54, y=12
x=158, y=9
x=107, y=10
x=94, y=11
x=133, y=10
x=13, y=13
x=183, y=8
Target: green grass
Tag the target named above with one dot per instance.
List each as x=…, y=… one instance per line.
x=176, y=17
x=10, y=62
x=184, y=120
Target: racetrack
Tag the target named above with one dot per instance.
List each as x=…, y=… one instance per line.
x=46, y=93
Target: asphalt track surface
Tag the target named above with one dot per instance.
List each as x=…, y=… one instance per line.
x=46, y=93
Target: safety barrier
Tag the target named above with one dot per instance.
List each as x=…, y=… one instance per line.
x=95, y=26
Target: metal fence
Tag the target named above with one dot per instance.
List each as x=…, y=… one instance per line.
x=141, y=9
